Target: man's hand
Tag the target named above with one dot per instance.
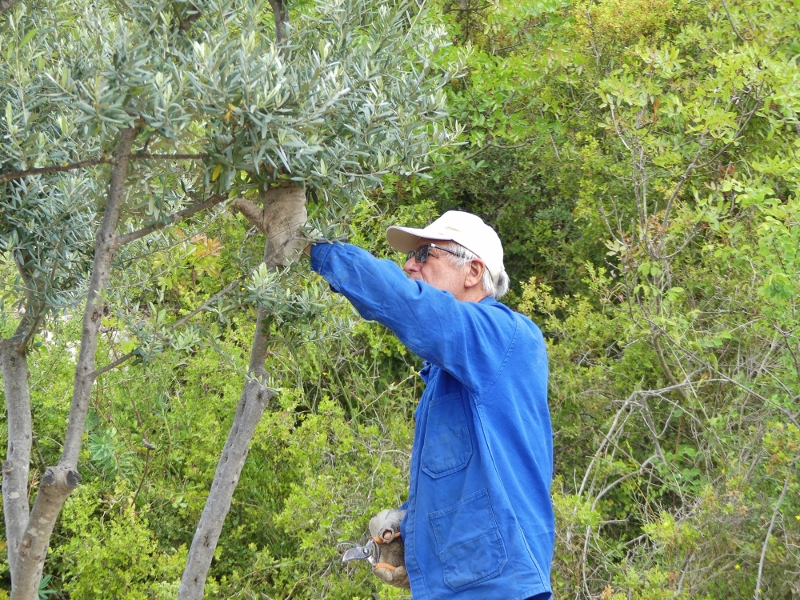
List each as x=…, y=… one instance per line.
x=280, y=220
x=385, y=530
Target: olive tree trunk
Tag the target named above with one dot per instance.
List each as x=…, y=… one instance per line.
x=256, y=394
x=14, y=368
x=280, y=247
x=29, y=535
x=249, y=411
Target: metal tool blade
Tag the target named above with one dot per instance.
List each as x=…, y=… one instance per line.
x=368, y=552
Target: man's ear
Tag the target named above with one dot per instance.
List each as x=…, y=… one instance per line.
x=475, y=274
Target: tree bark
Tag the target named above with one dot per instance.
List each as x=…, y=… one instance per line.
x=14, y=368
x=249, y=411
x=106, y=246
x=56, y=485
x=58, y=482
x=281, y=15
x=283, y=214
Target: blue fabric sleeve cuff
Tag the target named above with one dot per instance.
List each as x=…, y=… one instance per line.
x=319, y=254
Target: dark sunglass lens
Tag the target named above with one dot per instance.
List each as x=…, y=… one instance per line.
x=421, y=253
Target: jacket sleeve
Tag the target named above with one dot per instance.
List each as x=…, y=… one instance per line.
x=469, y=340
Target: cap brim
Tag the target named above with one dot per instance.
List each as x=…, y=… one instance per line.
x=404, y=239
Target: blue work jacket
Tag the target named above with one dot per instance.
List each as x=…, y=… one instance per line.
x=479, y=522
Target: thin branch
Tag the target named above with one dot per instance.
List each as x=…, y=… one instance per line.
x=177, y=324
x=144, y=473
x=792, y=353
x=730, y=20
x=694, y=165
x=757, y=593
x=42, y=308
x=208, y=302
x=552, y=139
x=104, y=160
x=147, y=156
x=14, y=175
x=113, y=365
x=613, y=428
x=651, y=426
x=662, y=361
x=617, y=128
x=723, y=377
x=465, y=9
x=616, y=482
x=34, y=325
x=481, y=150
x=584, y=554
x=606, y=440
x=182, y=214
x=268, y=260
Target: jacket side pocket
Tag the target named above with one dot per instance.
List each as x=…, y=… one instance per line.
x=470, y=547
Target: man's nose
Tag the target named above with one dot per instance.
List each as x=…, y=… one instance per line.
x=412, y=266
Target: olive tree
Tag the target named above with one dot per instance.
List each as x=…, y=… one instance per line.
x=124, y=119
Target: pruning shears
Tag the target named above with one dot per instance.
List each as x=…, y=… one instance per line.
x=369, y=552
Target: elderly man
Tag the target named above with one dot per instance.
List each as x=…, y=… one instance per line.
x=478, y=523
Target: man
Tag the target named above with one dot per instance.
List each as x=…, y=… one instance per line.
x=478, y=522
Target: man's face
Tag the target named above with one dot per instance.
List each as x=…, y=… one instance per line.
x=438, y=270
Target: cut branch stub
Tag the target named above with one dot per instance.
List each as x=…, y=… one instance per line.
x=283, y=214
x=57, y=483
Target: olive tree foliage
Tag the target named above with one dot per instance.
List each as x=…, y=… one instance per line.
x=120, y=121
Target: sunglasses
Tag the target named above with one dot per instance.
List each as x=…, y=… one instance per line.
x=423, y=252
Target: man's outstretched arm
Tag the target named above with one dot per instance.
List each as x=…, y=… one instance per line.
x=432, y=323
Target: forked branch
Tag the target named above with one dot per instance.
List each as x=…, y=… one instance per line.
x=58, y=482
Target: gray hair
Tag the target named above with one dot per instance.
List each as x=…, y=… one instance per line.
x=463, y=257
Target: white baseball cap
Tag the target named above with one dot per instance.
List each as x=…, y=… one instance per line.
x=463, y=228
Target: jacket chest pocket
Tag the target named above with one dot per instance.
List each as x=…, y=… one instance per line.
x=447, y=446
x=470, y=547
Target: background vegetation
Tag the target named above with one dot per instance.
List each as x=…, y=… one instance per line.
x=640, y=162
